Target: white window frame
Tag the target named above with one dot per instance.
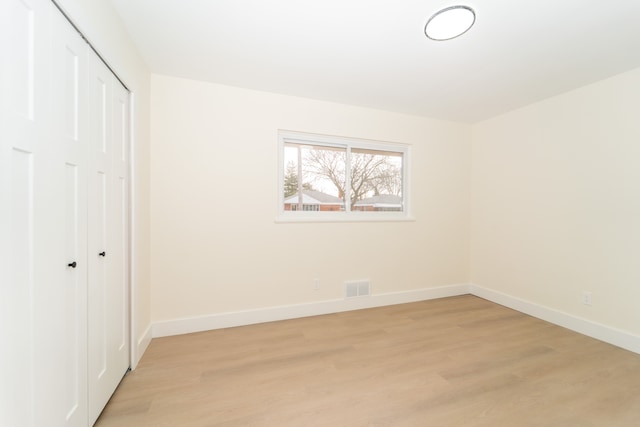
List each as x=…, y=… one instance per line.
x=347, y=215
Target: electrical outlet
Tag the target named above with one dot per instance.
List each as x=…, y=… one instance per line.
x=586, y=298
x=316, y=284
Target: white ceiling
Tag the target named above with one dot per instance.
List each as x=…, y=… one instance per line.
x=374, y=53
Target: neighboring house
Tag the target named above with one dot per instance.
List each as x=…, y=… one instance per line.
x=382, y=202
x=314, y=201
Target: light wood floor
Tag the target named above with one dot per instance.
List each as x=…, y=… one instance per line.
x=452, y=362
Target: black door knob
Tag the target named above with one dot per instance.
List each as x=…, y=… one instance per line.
x=72, y=265
x=103, y=253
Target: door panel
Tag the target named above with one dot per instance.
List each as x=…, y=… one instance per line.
x=98, y=279
x=19, y=53
x=119, y=267
x=74, y=291
x=119, y=313
x=108, y=242
x=16, y=303
x=68, y=153
x=23, y=69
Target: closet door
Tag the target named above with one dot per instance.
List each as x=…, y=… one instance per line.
x=43, y=162
x=118, y=315
x=63, y=202
x=70, y=138
x=108, y=235
x=24, y=64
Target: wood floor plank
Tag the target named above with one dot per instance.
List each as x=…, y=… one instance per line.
x=460, y=361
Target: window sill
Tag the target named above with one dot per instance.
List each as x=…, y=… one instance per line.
x=342, y=217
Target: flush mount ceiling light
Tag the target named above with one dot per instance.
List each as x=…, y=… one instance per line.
x=450, y=23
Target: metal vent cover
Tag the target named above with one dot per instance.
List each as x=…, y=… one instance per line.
x=357, y=288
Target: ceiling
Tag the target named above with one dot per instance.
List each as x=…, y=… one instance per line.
x=374, y=53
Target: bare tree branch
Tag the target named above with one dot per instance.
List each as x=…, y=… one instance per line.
x=370, y=173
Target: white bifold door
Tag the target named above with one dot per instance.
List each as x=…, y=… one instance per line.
x=64, y=209
x=108, y=237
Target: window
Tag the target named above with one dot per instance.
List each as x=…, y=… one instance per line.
x=334, y=178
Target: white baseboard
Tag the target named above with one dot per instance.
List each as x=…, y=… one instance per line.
x=140, y=346
x=270, y=314
x=592, y=329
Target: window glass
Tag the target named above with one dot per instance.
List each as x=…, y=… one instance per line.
x=338, y=177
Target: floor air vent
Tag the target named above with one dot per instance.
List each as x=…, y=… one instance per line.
x=357, y=288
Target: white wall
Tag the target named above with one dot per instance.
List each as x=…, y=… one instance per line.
x=99, y=22
x=215, y=245
x=556, y=202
